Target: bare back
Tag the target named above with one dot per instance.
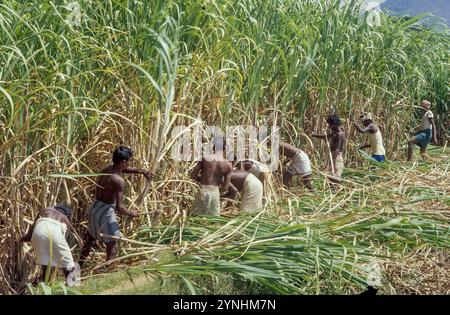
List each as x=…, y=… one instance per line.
x=289, y=150
x=238, y=179
x=213, y=169
x=108, y=186
x=54, y=214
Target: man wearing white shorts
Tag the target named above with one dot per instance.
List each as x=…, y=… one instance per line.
x=250, y=188
x=48, y=238
x=299, y=165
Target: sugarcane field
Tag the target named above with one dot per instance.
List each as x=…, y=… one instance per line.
x=224, y=147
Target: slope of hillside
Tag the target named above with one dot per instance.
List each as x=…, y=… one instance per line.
x=440, y=8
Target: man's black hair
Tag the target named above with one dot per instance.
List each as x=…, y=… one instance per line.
x=334, y=120
x=122, y=154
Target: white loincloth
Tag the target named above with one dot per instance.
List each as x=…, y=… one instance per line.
x=338, y=166
x=207, y=201
x=300, y=165
x=259, y=170
x=252, y=194
x=49, y=242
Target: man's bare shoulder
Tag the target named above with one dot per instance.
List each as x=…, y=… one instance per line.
x=287, y=146
x=373, y=128
x=107, y=170
x=112, y=180
x=225, y=165
x=116, y=178
x=44, y=211
x=51, y=212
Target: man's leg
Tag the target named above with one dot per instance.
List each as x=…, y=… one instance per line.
x=287, y=177
x=67, y=272
x=306, y=181
x=111, y=250
x=425, y=156
x=411, y=144
x=43, y=272
x=88, y=242
x=423, y=150
x=338, y=168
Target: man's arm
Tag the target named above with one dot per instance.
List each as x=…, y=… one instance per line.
x=227, y=180
x=433, y=124
x=232, y=192
x=323, y=137
x=147, y=174
x=364, y=146
x=194, y=173
x=342, y=139
x=28, y=235
x=286, y=161
x=361, y=130
x=369, y=128
x=340, y=145
x=119, y=188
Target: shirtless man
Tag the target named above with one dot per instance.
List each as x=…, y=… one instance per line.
x=210, y=173
x=109, y=197
x=300, y=165
x=428, y=132
x=50, y=228
x=251, y=188
x=375, y=138
x=336, y=140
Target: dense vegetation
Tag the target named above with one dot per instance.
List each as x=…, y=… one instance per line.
x=128, y=71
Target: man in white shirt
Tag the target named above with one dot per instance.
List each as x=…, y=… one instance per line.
x=374, y=135
x=428, y=132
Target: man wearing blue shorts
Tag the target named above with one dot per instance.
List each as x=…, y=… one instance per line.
x=428, y=132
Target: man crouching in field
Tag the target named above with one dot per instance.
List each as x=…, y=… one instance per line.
x=336, y=139
x=251, y=188
x=48, y=238
x=256, y=168
x=109, y=197
x=300, y=165
x=428, y=132
x=214, y=171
